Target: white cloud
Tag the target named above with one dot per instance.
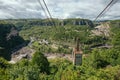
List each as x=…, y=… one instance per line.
x=5, y=15
x=58, y=8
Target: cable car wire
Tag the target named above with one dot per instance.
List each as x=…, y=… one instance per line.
x=106, y=8
x=43, y=8
x=49, y=13
x=46, y=14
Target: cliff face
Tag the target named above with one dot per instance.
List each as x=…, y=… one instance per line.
x=63, y=22
x=102, y=30
x=9, y=38
x=77, y=22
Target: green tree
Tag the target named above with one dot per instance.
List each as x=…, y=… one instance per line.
x=99, y=58
x=41, y=61
x=3, y=63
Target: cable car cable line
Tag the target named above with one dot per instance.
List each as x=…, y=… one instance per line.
x=49, y=13
x=43, y=8
x=106, y=8
x=46, y=14
x=109, y=7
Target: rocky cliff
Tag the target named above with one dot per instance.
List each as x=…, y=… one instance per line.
x=62, y=22
x=48, y=22
x=9, y=38
x=102, y=30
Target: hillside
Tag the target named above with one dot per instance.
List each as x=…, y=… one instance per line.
x=9, y=39
x=98, y=62
x=103, y=29
x=27, y=23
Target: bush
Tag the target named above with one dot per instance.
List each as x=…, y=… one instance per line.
x=41, y=61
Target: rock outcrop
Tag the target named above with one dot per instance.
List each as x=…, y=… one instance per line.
x=103, y=29
x=63, y=22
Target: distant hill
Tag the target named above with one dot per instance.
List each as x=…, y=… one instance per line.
x=21, y=23
x=62, y=22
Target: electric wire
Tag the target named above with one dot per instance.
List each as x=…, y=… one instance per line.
x=46, y=14
x=106, y=8
x=43, y=8
x=114, y=1
x=49, y=13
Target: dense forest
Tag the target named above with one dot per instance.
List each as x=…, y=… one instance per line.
x=9, y=38
x=99, y=62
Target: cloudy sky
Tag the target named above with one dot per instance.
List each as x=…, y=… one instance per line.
x=14, y=9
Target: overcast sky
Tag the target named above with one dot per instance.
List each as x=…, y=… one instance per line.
x=14, y=9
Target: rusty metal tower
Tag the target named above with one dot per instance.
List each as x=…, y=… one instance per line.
x=77, y=53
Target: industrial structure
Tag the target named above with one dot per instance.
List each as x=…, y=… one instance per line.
x=77, y=54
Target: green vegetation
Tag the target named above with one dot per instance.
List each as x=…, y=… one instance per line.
x=97, y=63
x=41, y=62
x=98, y=66
x=9, y=38
x=60, y=38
